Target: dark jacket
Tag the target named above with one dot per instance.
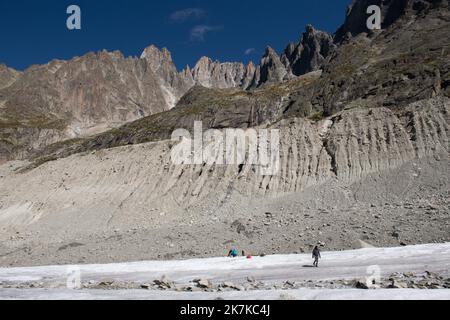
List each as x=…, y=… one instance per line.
x=316, y=253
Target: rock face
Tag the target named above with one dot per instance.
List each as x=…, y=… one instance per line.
x=214, y=74
x=81, y=87
x=348, y=147
x=100, y=91
x=174, y=84
x=270, y=70
x=310, y=53
x=91, y=94
x=7, y=76
x=83, y=96
x=394, y=67
x=217, y=108
x=355, y=22
x=360, y=155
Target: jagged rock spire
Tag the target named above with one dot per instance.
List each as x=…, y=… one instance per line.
x=310, y=53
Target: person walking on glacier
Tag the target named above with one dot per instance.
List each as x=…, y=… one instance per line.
x=316, y=256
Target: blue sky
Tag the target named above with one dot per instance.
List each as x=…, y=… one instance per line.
x=35, y=32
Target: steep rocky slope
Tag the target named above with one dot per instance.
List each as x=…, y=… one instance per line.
x=392, y=11
x=347, y=147
x=364, y=154
x=174, y=84
x=391, y=68
x=370, y=175
x=213, y=74
x=83, y=96
x=99, y=91
x=216, y=108
x=310, y=54
x=7, y=76
x=405, y=62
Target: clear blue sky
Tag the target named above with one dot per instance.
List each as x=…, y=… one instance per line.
x=34, y=32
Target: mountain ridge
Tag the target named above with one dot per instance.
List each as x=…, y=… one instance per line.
x=96, y=92
x=104, y=90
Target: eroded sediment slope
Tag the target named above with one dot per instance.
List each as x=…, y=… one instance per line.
x=364, y=174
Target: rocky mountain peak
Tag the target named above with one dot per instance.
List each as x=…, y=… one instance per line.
x=157, y=58
x=289, y=51
x=310, y=29
x=391, y=11
x=7, y=76
x=250, y=69
x=187, y=71
x=111, y=54
x=215, y=74
x=271, y=69
x=310, y=53
x=174, y=84
x=154, y=53
x=204, y=64
x=97, y=91
x=270, y=53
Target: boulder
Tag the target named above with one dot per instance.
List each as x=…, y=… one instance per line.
x=203, y=283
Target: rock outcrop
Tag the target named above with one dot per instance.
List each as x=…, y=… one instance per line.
x=99, y=91
x=7, y=76
x=214, y=74
x=270, y=70
x=83, y=96
x=310, y=53
x=391, y=11
x=96, y=92
x=117, y=188
x=403, y=63
x=174, y=84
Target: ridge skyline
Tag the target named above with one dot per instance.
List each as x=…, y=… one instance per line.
x=243, y=38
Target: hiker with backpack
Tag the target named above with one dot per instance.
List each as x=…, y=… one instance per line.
x=233, y=253
x=316, y=256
